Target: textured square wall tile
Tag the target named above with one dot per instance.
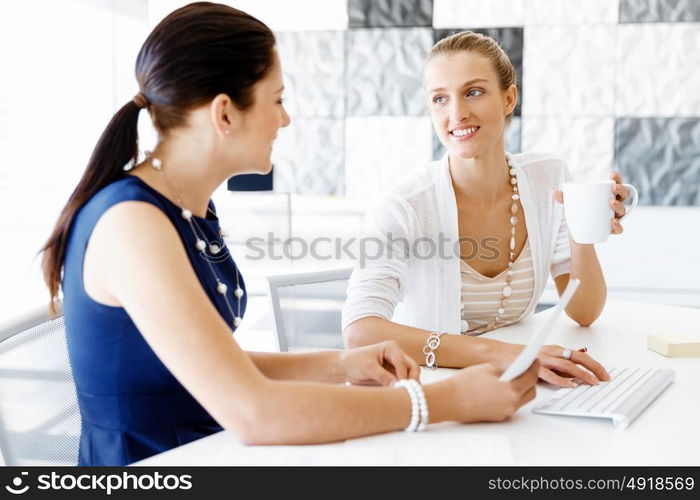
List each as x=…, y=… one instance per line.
x=512, y=140
x=478, y=13
x=279, y=15
x=389, y=13
x=299, y=15
x=381, y=150
x=438, y=149
x=385, y=69
x=510, y=39
x=650, y=11
x=585, y=144
x=661, y=158
x=657, y=70
x=308, y=157
x=558, y=12
x=313, y=64
x=570, y=71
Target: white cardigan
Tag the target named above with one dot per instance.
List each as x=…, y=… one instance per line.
x=425, y=293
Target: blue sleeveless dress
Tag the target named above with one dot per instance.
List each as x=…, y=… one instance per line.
x=131, y=406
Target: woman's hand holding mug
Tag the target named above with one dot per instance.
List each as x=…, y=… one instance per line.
x=594, y=210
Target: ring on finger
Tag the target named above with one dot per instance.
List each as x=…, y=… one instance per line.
x=566, y=354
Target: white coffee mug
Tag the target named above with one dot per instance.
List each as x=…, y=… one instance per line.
x=587, y=209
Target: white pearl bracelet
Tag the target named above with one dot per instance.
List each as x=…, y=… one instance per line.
x=419, y=405
x=430, y=347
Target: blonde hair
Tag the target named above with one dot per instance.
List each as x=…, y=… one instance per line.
x=483, y=45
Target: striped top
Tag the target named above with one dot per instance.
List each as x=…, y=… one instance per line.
x=481, y=296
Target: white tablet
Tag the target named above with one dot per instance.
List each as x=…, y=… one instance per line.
x=528, y=355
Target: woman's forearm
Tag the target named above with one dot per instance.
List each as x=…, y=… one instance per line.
x=307, y=413
x=322, y=366
x=589, y=300
x=455, y=351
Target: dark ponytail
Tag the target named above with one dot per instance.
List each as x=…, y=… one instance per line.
x=195, y=53
x=117, y=146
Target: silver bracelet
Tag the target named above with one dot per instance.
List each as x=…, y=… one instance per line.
x=430, y=347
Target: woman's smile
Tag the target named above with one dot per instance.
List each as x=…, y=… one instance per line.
x=463, y=132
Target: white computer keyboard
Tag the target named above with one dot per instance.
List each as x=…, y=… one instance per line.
x=628, y=392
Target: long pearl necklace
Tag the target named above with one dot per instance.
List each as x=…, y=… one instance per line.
x=202, y=244
x=507, y=289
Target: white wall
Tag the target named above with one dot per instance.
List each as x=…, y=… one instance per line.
x=66, y=67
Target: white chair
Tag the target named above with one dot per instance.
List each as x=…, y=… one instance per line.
x=39, y=415
x=306, y=309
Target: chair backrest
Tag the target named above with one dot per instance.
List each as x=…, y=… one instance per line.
x=39, y=415
x=306, y=309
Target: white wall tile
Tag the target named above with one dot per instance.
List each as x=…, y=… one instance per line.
x=478, y=13
x=279, y=15
x=379, y=150
x=314, y=73
x=569, y=71
x=585, y=144
x=558, y=12
x=657, y=70
x=299, y=15
x=308, y=157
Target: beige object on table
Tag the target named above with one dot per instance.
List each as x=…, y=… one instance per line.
x=675, y=345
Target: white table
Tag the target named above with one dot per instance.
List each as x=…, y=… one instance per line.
x=665, y=434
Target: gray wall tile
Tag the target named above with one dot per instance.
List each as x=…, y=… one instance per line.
x=389, y=13
x=660, y=11
x=314, y=73
x=384, y=71
x=661, y=157
x=309, y=157
x=512, y=139
x=510, y=39
x=513, y=136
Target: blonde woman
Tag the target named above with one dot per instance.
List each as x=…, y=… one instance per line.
x=500, y=213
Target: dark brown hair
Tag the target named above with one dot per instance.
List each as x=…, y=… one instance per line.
x=196, y=53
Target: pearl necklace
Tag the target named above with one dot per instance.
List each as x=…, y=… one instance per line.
x=507, y=290
x=202, y=243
